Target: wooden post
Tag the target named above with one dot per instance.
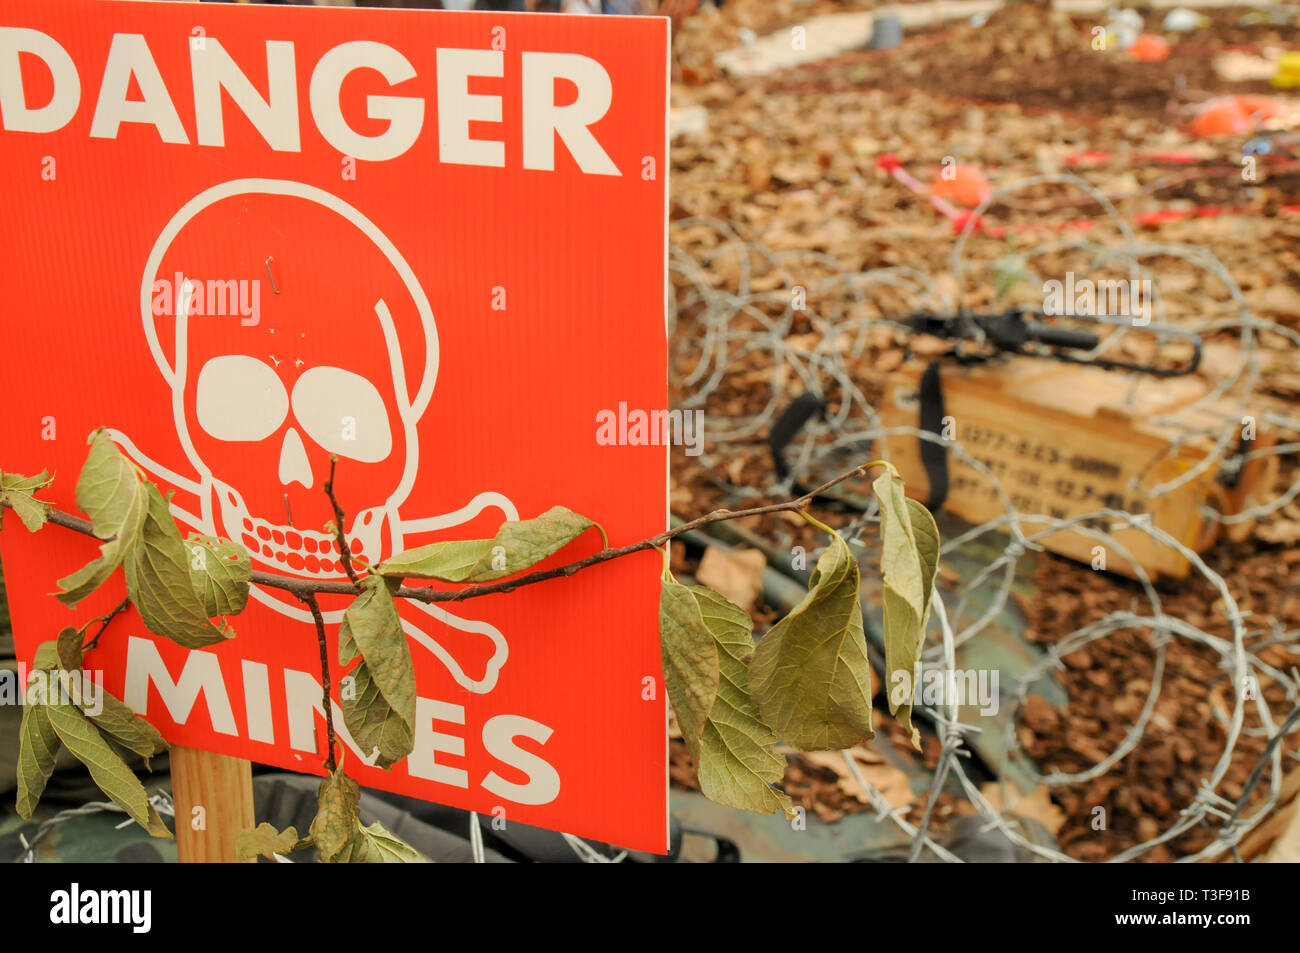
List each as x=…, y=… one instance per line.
x=223, y=787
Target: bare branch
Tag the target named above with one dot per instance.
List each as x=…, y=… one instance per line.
x=338, y=525
x=327, y=703
x=103, y=621
x=303, y=588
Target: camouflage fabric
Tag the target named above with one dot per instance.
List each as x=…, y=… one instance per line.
x=84, y=839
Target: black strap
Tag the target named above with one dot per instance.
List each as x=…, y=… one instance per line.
x=934, y=456
x=786, y=427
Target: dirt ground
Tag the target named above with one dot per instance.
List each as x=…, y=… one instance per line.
x=790, y=160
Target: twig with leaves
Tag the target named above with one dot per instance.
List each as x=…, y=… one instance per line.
x=807, y=682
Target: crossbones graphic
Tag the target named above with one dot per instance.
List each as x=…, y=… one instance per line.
x=254, y=405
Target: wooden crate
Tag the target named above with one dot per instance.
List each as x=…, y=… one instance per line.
x=1064, y=440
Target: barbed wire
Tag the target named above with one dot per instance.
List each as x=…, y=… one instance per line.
x=743, y=315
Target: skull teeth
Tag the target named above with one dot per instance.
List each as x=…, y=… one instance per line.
x=305, y=552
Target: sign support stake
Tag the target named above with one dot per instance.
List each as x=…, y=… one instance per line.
x=213, y=794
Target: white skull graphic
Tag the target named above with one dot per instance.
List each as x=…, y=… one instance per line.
x=262, y=397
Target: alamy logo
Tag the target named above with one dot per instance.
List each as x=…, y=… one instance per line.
x=1122, y=298
x=75, y=906
x=654, y=428
x=214, y=298
x=82, y=688
x=966, y=688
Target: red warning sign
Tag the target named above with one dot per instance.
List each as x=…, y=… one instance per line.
x=432, y=244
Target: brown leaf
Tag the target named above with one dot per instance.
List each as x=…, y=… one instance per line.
x=735, y=574
x=1037, y=806
x=888, y=780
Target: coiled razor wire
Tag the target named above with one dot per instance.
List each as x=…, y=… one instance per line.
x=733, y=313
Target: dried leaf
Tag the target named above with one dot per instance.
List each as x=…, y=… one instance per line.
x=113, y=718
x=375, y=725
x=737, y=575
x=38, y=744
x=46, y=656
x=16, y=491
x=891, y=782
x=118, y=721
x=266, y=841
x=909, y=558
x=336, y=815
x=110, y=492
x=95, y=573
x=219, y=572
x=706, y=642
x=380, y=713
x=1037, y=805
x=107, y=770
x=339, y=836
x=375, y=845
x=108, y=487
x=69, y=650
x=690, y=655
x=810, y=677
x=158, y=581
x=517, y=545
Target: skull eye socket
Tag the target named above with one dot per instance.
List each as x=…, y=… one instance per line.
x=239, y=398
x=343, y=413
